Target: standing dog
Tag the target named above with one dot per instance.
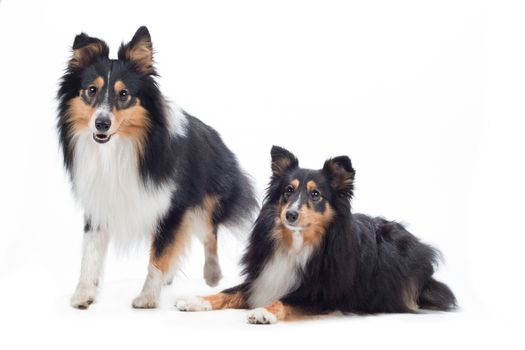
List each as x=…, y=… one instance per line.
x=308, y=254
x=141, y=169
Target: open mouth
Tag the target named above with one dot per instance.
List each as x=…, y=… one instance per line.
x=101, y=138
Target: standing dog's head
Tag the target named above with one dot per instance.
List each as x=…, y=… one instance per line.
x=307, y=201
x=107, y=97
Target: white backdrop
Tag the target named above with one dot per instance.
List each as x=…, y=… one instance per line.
x=425, y=97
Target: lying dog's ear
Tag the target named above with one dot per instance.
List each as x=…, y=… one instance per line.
x=341, y=174
x=139, y=51
x=86, y=49
x=282, y=161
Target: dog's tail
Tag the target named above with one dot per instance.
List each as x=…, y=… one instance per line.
x=240, y=208
x=437, y=296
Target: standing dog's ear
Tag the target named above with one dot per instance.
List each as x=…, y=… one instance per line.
x=341, y=174
x=139, y=51
x=282, y=161
x=86, y=49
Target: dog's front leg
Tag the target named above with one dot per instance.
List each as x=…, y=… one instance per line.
x=167, y=247
x=233, y=298
x=95, y=243
x=149, y=296
x=276, y=311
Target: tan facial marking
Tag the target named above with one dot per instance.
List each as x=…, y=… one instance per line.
x=79, y=114
x=314, y=224
x=99, y=82
x=119, y=86
x=311, y=185
x=283, y=235
x=132, y=122
x=281, y=232
x=284, y=206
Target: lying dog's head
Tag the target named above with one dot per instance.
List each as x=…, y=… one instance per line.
x=103, y=96
x=308, y=200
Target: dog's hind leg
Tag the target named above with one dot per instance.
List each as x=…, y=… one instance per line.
x=212, y=269
x=95, y=243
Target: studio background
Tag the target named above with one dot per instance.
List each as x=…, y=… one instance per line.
x=425, y=97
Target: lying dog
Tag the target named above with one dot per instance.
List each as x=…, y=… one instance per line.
x=308, y=254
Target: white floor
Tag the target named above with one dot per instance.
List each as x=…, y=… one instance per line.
x=34, y=316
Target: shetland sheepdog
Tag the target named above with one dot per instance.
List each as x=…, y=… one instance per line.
x=142, y=168
x=308, y=254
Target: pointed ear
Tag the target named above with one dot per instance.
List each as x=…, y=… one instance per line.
x=139, y=51
x=86, y=49
x=341, y=174
x=282, y=161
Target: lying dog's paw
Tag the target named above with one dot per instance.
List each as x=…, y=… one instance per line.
x=261, y=316
x=192, y=304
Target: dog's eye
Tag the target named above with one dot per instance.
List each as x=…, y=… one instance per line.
x=123, y=95
x=92, y=91
x=315, y=195
x=288, y=191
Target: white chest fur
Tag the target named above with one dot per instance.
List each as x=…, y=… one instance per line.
x=281, y=274
x=107, y=183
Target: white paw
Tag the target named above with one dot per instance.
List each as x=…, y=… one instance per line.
x=83, y=297
x=145, y=301
x=261, y=316
x=192, y=304
x=212, y=273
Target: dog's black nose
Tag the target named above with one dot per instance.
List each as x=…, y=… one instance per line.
x=102, y=124
x=292, y=216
